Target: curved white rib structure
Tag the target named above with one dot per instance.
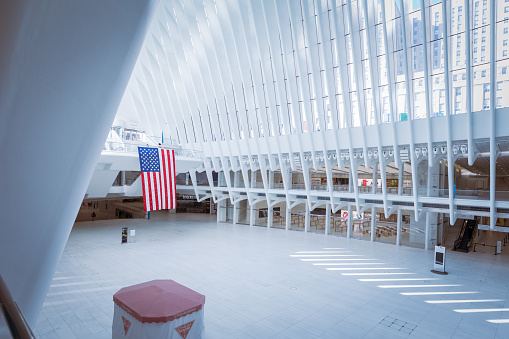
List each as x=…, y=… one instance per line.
x=268, y=86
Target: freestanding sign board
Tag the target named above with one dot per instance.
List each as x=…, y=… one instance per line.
x=439, y=264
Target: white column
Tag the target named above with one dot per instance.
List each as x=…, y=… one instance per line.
x=442, y=175
x=327, y=218
x=251, y=215
x=400, y=178
x=398, y=228
x=440, y=228
x=122, y=178
x=271, y=179
x=350, y=181
x=236, y=212
x=253, y=179
x=373, y=223
x=221, y=211
x=307, y=220
x=431, y=231
x=349, y=222
x=375, y=179
x=288, y=225
x=236, y=179
x=492, y=121
x=270, y=216
x=59, y=97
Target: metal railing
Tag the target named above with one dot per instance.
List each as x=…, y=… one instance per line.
x=443, y=193
x=18, y=326
x=485, y=245
x=132, y=147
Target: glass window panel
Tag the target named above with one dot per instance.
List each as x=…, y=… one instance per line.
x=385, y=104
x=382, y=70
x=362, y=21
x=437, y=56
x=399, y=62
x=481, y=45
x=356, y=120
x=417, y=61
x=351, y=76
x=401, y=101
x=305, y=127
x=316, y=118
x=328, y=116
x=502, y=10
x=367, y=74
x=395, y=30
x=338, y=80
x=380, y=43
x=345, y=20
x=415, y=28
x=457, y=51
x=481, y=89
x=435, y=22
x=364, y=44
x=392, y=9
x=502, y=39
x=419, y=99
x=502, y=83
x=378, y=12
x=341, y=110
x=458, y=91
x=370, y=109
x=457, y=17
x=349, y=46
x=437, y=96
x=412, y=5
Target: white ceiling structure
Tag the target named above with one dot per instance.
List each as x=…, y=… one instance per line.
x=325, y=84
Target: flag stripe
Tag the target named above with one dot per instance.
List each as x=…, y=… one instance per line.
x=165, y=177
x=143, y=181
x=156, y=191
x=174, y=188
x=170, y=180
x=170, y=176
x=150, y=197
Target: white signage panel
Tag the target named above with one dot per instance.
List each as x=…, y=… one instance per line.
x=439, y=259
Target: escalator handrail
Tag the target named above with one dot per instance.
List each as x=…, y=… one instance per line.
x=474, y=233
x=457, y=242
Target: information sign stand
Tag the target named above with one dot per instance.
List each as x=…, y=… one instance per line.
x=124, y=235
x=439, y=265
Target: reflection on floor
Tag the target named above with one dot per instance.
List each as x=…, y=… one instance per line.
x=272, y=283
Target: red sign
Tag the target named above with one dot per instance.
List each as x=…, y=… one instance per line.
x=127, y=324
x=184, y=329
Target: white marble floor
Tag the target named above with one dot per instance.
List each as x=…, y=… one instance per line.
x=272, y=283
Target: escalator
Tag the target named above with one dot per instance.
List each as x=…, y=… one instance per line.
x=466, y=237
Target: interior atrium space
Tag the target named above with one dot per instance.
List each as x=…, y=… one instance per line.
x=374, y=127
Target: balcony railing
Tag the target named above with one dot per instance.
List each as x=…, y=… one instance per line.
x=407, y=191
x=132, y=147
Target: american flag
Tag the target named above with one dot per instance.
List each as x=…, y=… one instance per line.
x=158, y=178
